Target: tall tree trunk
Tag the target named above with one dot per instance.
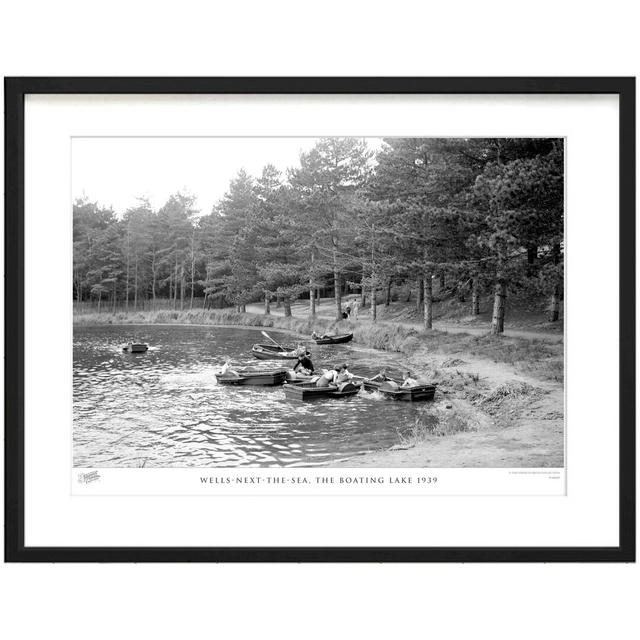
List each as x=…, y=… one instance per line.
x=287, y=307
x=374, y=299
x=267, y=304
x=182, y=287
x=193, y=264
x=336, y=281
x=532, y=257
x=312, y=299
x=243, y=308
x=475, y=297
x=554, y=309
x=312, y=288
x=387, y=299
x=408, y=298
x=154, y=276
x=126, y=305
x=193, y=267
x=114, y=295
x=443, y=281
x=363, y=294
x=497, y=322
x=135, y=290
x=278, y=300
x=99, y=301
x=427, y=287
x=420, y=296
x=175, y=285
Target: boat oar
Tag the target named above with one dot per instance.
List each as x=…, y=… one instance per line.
x=268, y=337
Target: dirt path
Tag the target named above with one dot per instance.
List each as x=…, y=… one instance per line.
x=507, y=419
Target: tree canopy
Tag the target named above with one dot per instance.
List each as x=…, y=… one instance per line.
x=484, y=214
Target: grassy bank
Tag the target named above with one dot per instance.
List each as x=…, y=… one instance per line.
x=537, y=358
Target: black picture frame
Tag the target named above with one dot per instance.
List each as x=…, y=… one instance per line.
x=15, y=91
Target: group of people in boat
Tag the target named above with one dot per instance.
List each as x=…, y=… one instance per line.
x=334, y=376
x=407, y=379
x=329, y=377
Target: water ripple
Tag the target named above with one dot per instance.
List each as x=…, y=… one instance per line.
x=164, y=408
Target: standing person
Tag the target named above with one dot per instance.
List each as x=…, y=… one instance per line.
x=354, y=308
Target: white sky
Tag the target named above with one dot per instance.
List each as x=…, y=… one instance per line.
x=116, y=171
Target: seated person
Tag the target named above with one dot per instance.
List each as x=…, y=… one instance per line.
x=304, y=362
x=380, y=377
x=408, y=381
x=343, y=374
x=317, y=336
x=226, y=369
x=327, y=378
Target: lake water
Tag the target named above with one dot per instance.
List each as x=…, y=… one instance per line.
x=164, y=408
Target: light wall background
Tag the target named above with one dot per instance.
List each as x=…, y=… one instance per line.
x=332, y=38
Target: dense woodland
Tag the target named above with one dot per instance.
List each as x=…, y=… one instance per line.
x=478, y=214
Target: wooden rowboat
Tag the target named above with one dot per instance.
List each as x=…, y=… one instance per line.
x=335, y=339
x=408, y=394
x=273, y=352
x=264, y=378
x=309, y=391
x=135, y=347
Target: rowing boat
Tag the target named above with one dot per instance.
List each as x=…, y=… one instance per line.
x=335, y=339
x=273, y=352
x=264, y=378
x=135, y=347
x=397, y=392
x=309, y=391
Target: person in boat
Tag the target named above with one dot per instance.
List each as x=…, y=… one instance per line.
x=328, y=378
x=407, y=380
x=226, y=369
x=381, y=376
x=304, y=363
x=344, y=374
x=317, y=336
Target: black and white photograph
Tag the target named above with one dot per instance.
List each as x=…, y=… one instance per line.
x=357, y=302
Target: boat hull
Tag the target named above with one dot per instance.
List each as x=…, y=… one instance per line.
x=309, y=391
x=271, y=352
x=337, y=339
x=136, y=347
x=418, y=393
x=255, y=378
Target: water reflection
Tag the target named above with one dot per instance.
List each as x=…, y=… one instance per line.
x=163, y=408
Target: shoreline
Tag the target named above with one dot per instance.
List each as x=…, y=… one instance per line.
x=185, y=324
x=493, y=409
